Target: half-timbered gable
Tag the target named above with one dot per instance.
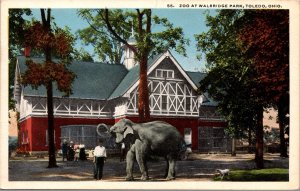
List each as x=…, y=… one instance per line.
x=170, y=93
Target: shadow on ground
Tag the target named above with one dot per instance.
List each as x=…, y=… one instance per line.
x=200, y=167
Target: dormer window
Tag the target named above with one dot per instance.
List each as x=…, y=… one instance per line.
x=160, y=73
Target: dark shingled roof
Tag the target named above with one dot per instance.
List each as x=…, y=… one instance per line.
x=196, y=77
x=99, y=80
x=93, y=81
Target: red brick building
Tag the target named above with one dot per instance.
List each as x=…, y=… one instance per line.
x=105, y=93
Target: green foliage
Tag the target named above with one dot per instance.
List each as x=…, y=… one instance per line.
x=108, y=48
x=169, y=38
x=16, y=39
x=272, y=174
x=82, y=55
x=229, y=80
x=248, y=67
x=16, y=30
x=271, y=135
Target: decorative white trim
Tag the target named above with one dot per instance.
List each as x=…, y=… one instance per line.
x=37, y=106
x=167, y=98
x=167, y=54
x=17, y=92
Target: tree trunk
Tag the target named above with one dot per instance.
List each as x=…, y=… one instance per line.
x=259, y=147
x=281, y=118
x=249, y=140
x=51, y=144
x=143, y=103
x=233, y=147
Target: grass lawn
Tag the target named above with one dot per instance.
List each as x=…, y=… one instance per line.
x=271, y=174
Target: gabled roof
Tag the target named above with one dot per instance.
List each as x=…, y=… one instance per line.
x=93, y=81
x=157, y=61
x=104, y=81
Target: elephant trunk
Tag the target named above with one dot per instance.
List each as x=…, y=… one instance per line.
x=102, y=129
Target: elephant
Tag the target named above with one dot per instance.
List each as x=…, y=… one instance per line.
x=152, y=138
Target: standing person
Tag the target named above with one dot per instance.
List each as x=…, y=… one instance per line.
x=71, y=151
x=82, y=155
x=76, y=150
x=64, y=149
x=99, y=159
x=122, y=157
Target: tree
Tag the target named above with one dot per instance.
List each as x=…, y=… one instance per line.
x=115, y=26
x=230, y=79
x=41, y=37
x=16, y=40
x=106, y=46
x=82, y=55
x=265, y=36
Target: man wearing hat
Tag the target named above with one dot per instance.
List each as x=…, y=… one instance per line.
x=99, y=159
x=64, y=149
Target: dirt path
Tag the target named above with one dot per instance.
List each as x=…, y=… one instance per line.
x=200, y=167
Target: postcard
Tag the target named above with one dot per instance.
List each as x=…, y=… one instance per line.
x=189, y=95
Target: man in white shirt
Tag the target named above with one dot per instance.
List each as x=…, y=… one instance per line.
x=99, y=158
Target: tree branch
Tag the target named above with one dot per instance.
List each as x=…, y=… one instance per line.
x=119, y=38
x=95, y=29
x=48, y=17
x=43, y=16
x=140, y=23
x=148, y=28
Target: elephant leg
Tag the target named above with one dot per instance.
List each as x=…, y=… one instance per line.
x=129, y=163
x=171, y=172
x=167, y=168
x=141, y=159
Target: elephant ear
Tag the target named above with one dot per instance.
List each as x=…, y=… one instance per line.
x=128, y=131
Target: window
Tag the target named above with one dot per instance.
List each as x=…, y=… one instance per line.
x=170, y=74
x=160, y=73
x=85, y=134
x=218, y=134
x=204, y=138
x=188, y=103
x=164, y=102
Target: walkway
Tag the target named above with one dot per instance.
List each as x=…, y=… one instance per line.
x=200, y=167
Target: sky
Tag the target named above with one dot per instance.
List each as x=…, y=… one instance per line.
x=191, y=20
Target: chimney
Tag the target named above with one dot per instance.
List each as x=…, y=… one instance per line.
x=27, y=52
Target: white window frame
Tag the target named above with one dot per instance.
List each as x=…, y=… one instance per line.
x=170, y=73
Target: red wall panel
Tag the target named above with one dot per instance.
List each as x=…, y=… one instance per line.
x=37, y=126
